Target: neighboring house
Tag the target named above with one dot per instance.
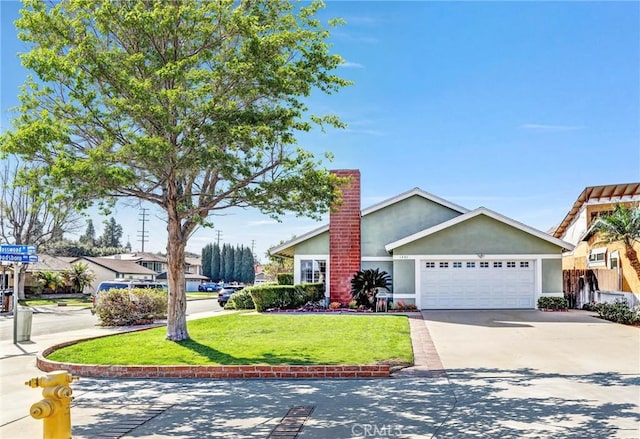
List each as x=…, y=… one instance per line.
x=191, y=280
x=193, y=266
x=107, y=269
x=56, y=264
x=439, y=255
x=606, y=267
x=152, y=261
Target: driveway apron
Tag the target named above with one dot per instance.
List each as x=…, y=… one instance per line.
x=537, y=374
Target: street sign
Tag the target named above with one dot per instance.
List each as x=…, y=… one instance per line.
x=12, y=257
x=18, y=249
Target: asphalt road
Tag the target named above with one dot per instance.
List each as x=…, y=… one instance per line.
x=52, y=319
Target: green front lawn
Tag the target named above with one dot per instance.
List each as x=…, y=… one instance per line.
x=250, y=338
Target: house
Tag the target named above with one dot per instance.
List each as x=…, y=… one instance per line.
x=152, y=261
x=191, y=280
x=440, y=255
x=107, y=269
x=594, y=270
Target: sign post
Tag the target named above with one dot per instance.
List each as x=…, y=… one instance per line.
x=17, y=254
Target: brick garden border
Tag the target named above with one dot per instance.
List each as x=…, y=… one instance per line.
x=215, y=372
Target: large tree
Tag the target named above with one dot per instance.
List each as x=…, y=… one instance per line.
x=193, y=106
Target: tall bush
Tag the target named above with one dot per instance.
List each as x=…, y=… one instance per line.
x=121, y=307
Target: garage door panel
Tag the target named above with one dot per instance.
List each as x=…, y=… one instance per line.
x=474, y=285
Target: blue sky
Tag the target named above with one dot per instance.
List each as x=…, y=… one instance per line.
x=515, y=106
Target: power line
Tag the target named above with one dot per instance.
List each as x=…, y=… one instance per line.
x=143, y=234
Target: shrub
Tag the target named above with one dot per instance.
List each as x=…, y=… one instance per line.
x=365, y=284
x=311, y=292
x=619, y=312
x=241, y=300
x=121, y=307
x=285, y=278
x=285, y=296
x=553, y=303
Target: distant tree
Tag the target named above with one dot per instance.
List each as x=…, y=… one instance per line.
x=89, y=237
x=248, y=266
x=215, y=263
x=205, y=258
x=237, y=264
x=69, y=248
x=277, y=264
x=229, y=263
x=223, y=262
x=622, y=225
x=111, y=235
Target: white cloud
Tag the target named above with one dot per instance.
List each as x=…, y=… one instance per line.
x=550, y=128
x=351, y=65
x=262, y=222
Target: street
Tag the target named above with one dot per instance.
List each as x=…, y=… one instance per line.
x=52, y=319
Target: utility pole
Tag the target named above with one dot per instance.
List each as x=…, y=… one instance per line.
x=218, y=233
x=143, y=234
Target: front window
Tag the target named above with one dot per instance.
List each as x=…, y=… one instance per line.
x=597, y=257
x=313, y=270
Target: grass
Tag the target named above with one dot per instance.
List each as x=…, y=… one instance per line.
x=250, y=338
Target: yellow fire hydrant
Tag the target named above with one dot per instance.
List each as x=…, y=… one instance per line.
x=55, y=408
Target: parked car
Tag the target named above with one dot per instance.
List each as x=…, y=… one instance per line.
x=209, y=287
x=226, y=292
x=125, y=284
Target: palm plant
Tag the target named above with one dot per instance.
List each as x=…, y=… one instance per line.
x=365, y=284
x=621, y=225
x=78, y=277
x=50, y=280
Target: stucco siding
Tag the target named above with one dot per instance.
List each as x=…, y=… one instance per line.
x=551, y=275
x=318, y=245
x=480, y=234
x=382, y=266
x=399, y=220
x=404, y=277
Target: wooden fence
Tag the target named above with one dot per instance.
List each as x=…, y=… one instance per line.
x=580, y=286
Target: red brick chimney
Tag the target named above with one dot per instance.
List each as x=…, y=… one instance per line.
x=344, y=238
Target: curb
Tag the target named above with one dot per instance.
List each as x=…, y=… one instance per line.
x=213, y=372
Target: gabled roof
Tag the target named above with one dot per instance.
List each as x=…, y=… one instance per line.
x=138, y=257
x=369, y=210
x=118, y=265
x=472, y=214
x=410, y=193
x=609, y=193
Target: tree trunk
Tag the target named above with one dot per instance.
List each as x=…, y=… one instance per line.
x=633, y=259
x=177, y=310
x=22, y=277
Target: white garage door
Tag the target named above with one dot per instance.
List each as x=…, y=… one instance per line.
x=477, y=284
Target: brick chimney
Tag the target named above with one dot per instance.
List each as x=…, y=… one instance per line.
x=344, y=238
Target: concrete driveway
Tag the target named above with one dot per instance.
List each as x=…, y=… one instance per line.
x=538, y=374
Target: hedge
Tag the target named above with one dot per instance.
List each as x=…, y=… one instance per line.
x=285, y=296
x=552, y=302
x=240, y=300
x=285, y=278
x=121, y=307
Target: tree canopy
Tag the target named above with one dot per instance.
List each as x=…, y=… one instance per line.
x=193, y=106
